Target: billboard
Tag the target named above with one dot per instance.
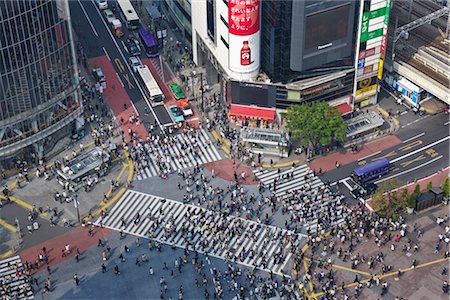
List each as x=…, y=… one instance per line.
x=244, y=35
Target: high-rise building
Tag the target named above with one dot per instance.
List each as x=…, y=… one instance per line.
x=278, y=53
x=40, y=105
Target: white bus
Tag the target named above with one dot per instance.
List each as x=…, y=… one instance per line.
x=129, y=14
x=151, y=87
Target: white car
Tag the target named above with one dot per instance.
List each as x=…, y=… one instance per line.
x=102, y=4
x=110, y=17
x=135, y=63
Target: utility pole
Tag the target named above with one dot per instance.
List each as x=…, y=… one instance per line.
x=201, y=89
x=76, y=204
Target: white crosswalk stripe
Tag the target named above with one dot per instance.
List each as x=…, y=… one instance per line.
x=156, y=64
x=304, y=178
x=175, y=223
x=176, y=156
x=15, y=287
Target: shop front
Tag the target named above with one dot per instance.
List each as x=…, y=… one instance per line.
x=252, y=116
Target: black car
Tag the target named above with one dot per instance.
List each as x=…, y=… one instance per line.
x=133, y=46
x=363, y=191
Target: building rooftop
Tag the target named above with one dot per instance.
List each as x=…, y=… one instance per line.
x=83, y=164
x=363, y=123
x=264, y=134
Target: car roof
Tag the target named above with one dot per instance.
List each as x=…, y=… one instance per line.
x=183, y=101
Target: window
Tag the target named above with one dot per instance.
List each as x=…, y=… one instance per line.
x=210, y=19
x=224, y=21
x=224, y=42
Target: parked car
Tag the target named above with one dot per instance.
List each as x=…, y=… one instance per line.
x=102, y=4
x=110, y=17
x=176, y=91
x=135, y=63
x=183, y=105
x=98, y=75
x=132, y=46
x=176, y=114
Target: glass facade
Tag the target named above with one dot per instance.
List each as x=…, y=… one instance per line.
x=38, y=75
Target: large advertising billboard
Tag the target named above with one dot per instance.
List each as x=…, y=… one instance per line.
x=244, y=35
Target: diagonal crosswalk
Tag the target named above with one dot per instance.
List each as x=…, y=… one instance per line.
x=183, y=153
x=13, y=283
x=316, y=207
x=227, y=237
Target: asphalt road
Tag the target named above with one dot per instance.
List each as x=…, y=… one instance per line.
x=97, y=40
x=423, y=151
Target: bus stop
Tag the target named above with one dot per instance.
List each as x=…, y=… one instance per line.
x=266, y=141
x=84, y=170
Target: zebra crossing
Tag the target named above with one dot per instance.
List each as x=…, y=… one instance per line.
x=157, y=65
x=285, y=183
x=176, y=156
x=171, y=222
x=13, y=284
x=322, y=206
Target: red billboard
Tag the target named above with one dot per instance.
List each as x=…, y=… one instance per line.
x=243, y=17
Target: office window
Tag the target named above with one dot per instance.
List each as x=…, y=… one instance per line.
x=224, y=42
x=223, y=20
x=210, y=19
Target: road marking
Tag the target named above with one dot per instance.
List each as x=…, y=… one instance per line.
x=8, y=226
x=409, y=170
x=89, y=20
x=407, y=163
x=130, y=85
x=403, y=113
x=123, y=44
x=446, y=123
x=420, y=149
x=410, y=146
x=119, y=65
x=392, y=153
x=120, y=80
x=414, y=137
x=415, y=121
x=370, y=155
x=106, y=53
x=344, y=181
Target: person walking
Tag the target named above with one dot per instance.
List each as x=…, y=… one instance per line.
x=76, y=279
x=103, y=268
x=116, y=270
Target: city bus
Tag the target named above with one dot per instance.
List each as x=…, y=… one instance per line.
x=129, y=14
x=371, y=170
x=151, y=87
x=149, y=43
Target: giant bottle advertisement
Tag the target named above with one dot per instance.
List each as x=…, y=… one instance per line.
x=244, y=35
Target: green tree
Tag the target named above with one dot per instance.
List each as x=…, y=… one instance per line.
x=429, y=186
x=416, y=193
x=315, y=124
x=387, y=201
x=405, y=198
x=445, y=187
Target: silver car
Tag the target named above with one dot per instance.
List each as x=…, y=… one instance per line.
x=109, y=15
x=135, y=63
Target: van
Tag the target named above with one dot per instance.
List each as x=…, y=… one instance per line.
x=102, y=4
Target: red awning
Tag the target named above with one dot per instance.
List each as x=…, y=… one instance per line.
x=344, y=108
x=257, y=113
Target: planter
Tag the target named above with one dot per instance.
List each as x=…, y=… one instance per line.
x=409, y=210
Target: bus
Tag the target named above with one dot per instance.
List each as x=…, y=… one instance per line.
x=129, y=14
x=151, y=87
x=149, y=43
x=371, y=170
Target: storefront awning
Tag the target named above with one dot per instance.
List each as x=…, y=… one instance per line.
x=344, y=108
x=251, y=112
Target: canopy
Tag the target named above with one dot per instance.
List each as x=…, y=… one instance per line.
x=344, y=108
x=251, y=112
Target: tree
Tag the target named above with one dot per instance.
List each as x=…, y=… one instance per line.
x=387, y=201
x=429, y=186
x=416, y=193
x=315, y=124
x=405, y=198
x=445, y=187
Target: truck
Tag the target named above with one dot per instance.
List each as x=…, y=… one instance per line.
x=117, y=27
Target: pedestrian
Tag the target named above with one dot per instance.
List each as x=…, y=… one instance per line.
x=150, y=271
x=100, y=243
x=103, y=268
x=116, y=270
x=75, y=278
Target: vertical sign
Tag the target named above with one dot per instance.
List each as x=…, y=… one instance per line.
x=244, y=35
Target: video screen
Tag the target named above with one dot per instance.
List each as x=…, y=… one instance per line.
x=325, y=27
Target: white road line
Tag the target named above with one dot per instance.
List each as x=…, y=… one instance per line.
x=403, y=113
x=121, y=83
x=420, y=149
x=346, y=184
x=106, y=53
x=370, y=155
x=409, y=170
x=89, y=20
x=414, y=137
x=446, y=123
